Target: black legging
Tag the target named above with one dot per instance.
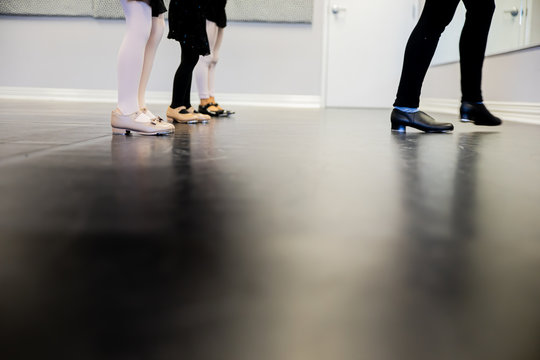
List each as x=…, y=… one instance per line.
x=183, y=77
x=423, y=42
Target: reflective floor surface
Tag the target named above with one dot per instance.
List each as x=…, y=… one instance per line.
x=279, y=234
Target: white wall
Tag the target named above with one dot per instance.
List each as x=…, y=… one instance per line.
x=80, y=53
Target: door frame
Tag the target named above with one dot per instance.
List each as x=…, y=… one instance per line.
x=324, y=62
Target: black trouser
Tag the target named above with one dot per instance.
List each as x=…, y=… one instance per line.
x=183, y=77
x=423, y=42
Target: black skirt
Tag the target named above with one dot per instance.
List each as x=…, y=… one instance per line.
x=158, y=7
x=215, y=12
x=187, y=24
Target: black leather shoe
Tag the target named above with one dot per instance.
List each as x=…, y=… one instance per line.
x=478, y=114
x=418, y=120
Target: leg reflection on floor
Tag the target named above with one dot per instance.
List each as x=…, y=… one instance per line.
x=304, y=234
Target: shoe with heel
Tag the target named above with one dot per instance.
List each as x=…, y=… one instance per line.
x=478, y=114
x=203, y=118
x=210, y=109
x=181, y=115
x=137, y=122
x=157, y=119
x=418, y=120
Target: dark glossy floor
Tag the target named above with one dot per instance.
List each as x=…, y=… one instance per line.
x=279, y=234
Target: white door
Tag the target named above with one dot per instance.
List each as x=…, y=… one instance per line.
x=365, y=44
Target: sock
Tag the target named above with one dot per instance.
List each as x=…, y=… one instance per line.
x=406, y=109
x=474, y=102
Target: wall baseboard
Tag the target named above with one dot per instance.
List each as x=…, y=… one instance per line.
x=158, y=97
x=508, y=111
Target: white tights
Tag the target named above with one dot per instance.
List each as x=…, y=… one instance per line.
x=206, y=67
x=137, y=53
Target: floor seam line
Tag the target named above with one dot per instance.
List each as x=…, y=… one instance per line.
x=32, y=154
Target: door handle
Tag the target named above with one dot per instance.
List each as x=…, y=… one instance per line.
x=514, y=11
x=336, y=9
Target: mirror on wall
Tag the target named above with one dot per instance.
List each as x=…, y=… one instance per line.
x=270, y=11
x=516, y=25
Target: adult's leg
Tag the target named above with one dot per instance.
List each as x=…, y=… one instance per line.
x=472, y=47
x=131, y=54
x=183, y=76
x=156, y=34
x=420, y=49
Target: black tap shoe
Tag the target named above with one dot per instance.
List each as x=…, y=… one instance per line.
x=418, y=120
x=223, y=113
x=478, y=114
x=227, y=113
x=205, y=109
